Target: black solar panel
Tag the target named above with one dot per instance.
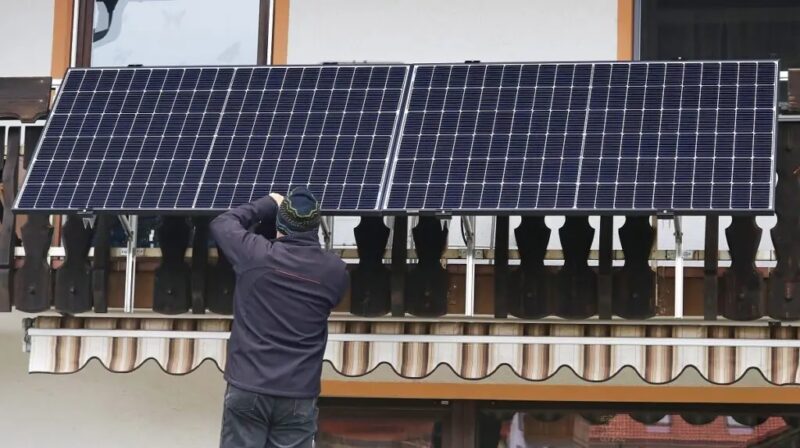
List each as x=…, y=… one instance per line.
x=637, y=137
x=161, y=139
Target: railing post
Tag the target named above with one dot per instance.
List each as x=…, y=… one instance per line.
x=101, y=264
x=501, y=236
x=33, y=283
x=744, y=292
x=370, y=288
x=577, y=283
x=606, y=263
x=710, y=268
x=172, y=290
x=530, y=284
x=427, y=285
x=199, y=265
x=74, y=278
x=399, y=266
x=8, y=234
x=634, y=284
x=222, y=285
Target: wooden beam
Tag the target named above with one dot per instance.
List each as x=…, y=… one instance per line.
x=62, y=37
x=101, y=262
x=9, y=238
x=501, y=267
x=199, y=265
x=475, y=390
x=625, y=30
x=280, y=32
x=711, y=269
x=399, y=266
x=83, y=55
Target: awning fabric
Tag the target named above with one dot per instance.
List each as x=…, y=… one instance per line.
x=475, y=361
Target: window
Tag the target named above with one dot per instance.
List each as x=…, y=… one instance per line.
x=177, y=32
x=721, y=29
x=380, y=424
x=661, y=426
x=537, y=428
x=735, y=427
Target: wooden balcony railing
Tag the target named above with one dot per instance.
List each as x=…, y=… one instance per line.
x=61, y=264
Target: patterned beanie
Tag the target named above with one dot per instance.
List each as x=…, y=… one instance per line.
x=299, y=212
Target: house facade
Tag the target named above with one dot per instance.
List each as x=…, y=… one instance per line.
x=462, y=331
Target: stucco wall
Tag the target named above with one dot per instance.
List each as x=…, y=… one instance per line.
x=146, y=408
x=451, y=30
x=27, y=42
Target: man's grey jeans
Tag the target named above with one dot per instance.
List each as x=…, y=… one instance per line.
x=252, y=420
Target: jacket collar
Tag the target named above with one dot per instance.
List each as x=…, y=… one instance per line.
x=301, y=238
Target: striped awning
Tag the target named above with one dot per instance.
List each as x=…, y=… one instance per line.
x=535, y=352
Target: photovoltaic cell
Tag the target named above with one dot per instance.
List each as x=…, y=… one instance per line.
x=210, y=138
x=496, y=138
x=638, y=137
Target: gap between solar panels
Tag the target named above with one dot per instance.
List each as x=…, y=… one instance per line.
x=610, y=138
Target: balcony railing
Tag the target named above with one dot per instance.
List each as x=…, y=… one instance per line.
x=426, y=267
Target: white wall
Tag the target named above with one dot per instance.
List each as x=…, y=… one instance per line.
x=451, y=30
x=95, y=408
x=27, y=43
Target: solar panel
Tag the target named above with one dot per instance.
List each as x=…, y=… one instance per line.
x=208, y=138
x=616, y=137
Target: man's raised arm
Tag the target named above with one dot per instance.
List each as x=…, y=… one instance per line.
x=230, y=230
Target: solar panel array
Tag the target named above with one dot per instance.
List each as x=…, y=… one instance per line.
x=212, y=138
x=638, y=137
x=677, y=136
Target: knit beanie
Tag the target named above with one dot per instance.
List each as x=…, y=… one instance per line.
x=299, y=212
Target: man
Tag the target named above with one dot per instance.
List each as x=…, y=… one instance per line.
x=285, y=290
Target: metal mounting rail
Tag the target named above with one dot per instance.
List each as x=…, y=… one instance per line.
x=432, y=338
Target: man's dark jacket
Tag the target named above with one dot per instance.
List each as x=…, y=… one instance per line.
x=285, y=290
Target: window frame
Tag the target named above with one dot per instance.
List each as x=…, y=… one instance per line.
x=84, y=30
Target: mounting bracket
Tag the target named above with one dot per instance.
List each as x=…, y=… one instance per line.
x=27, y=324
x=327, y=231
x=88, y=218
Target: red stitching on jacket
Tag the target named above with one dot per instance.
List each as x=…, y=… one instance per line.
x=299, y=277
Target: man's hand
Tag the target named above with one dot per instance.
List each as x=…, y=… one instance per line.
x=278, y=198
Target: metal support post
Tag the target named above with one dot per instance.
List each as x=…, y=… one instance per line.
x=678, y=267
x=130, y=224
x=468, y=223
x=327, y=231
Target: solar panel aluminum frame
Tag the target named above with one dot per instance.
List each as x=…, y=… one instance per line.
x=580, y=211
x=208, y=211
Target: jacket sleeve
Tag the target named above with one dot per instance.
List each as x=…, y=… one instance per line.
x=230, y=231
